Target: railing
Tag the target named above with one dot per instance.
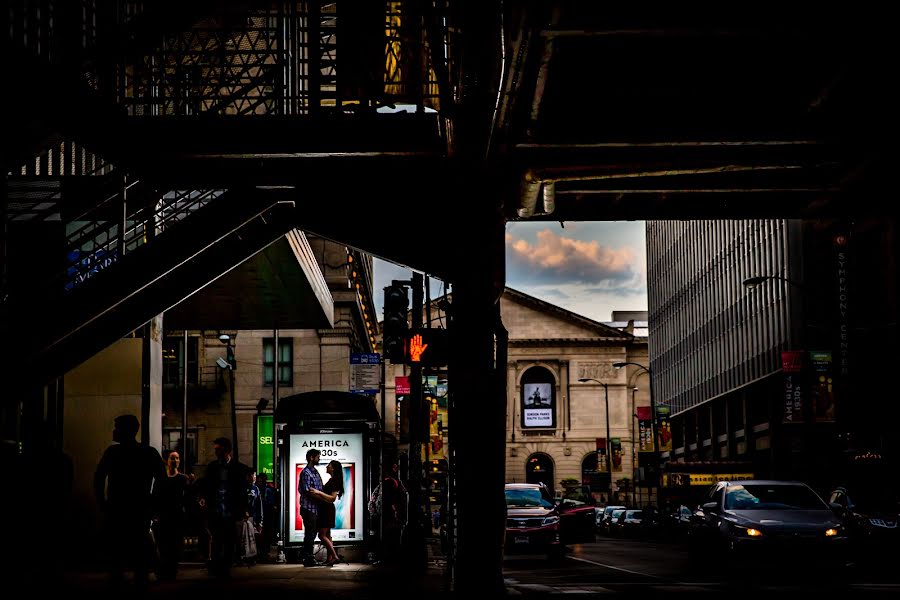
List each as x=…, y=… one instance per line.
x=243, y=58
x=97, y=243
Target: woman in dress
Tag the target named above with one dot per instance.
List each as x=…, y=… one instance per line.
x=333, y=489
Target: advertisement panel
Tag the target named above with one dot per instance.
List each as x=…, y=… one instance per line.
x=616, y=445
x=601, y=454
x=792, y=367
x=265, y=445
x=538, y=408
x=664, y=428
x=347, y=448
x=645, y=428
x=822, y=391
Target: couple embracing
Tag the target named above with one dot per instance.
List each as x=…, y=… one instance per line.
x=317, y=506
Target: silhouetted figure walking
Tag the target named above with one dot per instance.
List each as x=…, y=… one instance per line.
x=224, y=489
x=123, y=485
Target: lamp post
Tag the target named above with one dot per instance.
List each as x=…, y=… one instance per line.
x=633, y=451
x=608, y=445
x=230, y=366
x=619, y=365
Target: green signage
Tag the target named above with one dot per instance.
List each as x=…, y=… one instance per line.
x=265, y=445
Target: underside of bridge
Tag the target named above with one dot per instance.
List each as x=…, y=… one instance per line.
x=412, y=130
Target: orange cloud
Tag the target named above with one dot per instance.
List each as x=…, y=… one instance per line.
x=554, y=258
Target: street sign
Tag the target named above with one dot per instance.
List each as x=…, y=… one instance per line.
x=365, y=373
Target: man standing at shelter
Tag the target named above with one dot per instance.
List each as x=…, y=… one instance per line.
x=123, y=484
x=310, y=489
x=224, y=489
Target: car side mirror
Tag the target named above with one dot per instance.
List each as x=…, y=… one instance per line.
x=709, y=507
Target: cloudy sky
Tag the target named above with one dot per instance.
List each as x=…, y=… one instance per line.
x=588, y=268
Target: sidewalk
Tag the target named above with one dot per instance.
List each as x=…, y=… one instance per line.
x=356, y=580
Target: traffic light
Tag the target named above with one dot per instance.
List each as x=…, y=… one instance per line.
x=428, y=347
x=396, y=326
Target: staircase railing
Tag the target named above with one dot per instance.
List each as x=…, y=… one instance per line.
x=97, y=242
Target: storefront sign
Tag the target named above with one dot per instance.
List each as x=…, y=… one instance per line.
x=346, y=448
x=704, y=479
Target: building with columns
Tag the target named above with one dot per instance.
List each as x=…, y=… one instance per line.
x=556, y=434
x=563, y=435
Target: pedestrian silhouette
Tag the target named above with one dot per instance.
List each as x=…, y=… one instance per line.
x=173, y=494
x=123, y=485
x=224, y=494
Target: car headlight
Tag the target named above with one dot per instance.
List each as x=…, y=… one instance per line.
x=748, y=531
x=832, y=531
x=550, y=520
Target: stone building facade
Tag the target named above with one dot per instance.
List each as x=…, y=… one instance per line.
x=550, y=349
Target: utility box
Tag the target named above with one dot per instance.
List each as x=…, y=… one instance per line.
x=343, y=427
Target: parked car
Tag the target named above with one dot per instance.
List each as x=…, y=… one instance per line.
x=871, y=514
x=603, y=522
x=532, y=520
x=679, y=521
x=576, y=521
x=772, y=515
x=628, y=524
x=610, y=525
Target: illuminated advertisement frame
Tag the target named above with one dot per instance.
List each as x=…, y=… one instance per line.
x=347, y=448
x=538, y=403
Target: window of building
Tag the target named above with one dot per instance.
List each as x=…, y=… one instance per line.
x=285, y=361
x=173, y=361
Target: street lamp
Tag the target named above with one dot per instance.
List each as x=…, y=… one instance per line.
x=619, y=365
x=608, y=444
x=633, y=451
x=230, y=365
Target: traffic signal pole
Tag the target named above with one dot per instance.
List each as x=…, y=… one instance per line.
x=414, y=534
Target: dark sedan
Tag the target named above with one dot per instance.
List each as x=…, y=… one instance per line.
x=532, y=520
x=771, y=515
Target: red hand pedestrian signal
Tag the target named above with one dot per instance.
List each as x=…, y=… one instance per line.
x=416, y=348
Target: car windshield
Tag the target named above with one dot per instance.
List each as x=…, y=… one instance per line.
x=772, y=497
x=523, y=497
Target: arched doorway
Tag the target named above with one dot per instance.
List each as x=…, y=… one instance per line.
x=539, y=469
